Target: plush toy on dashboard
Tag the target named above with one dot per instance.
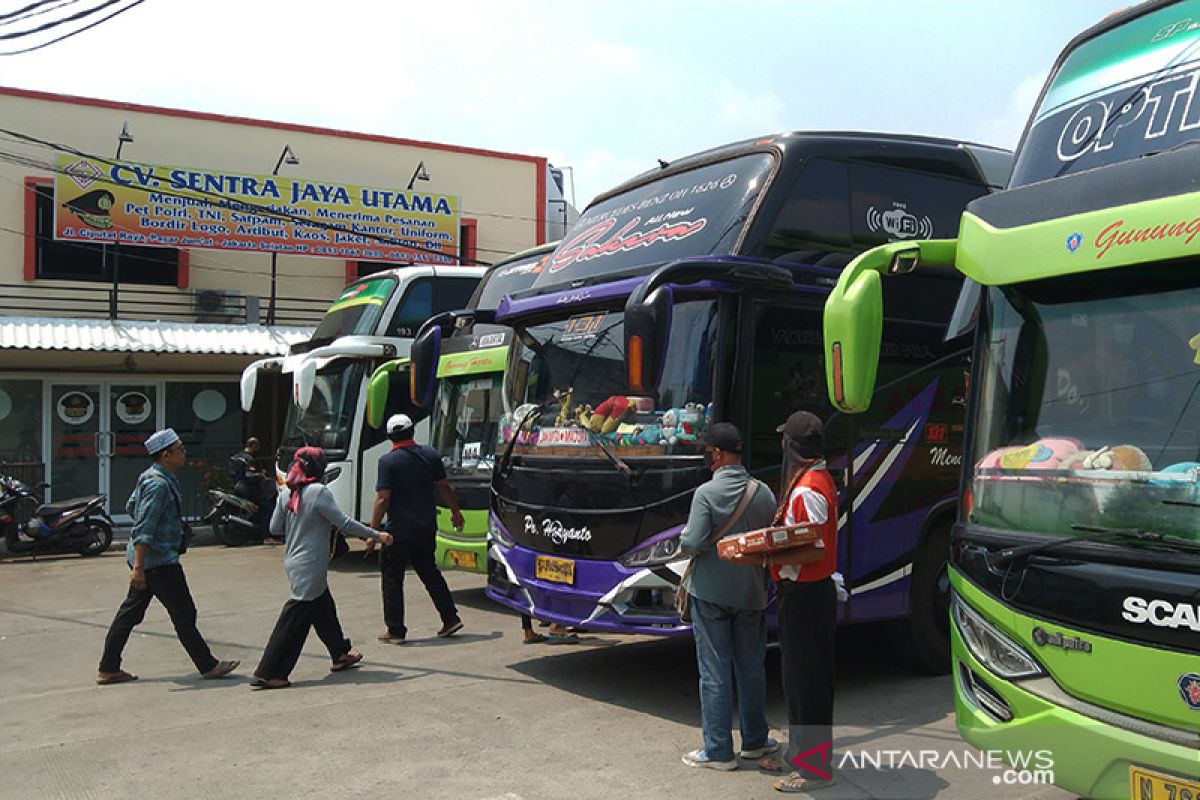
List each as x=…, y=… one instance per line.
x=611, y=413
x=691, y=422
x=1048, y=453
x=1122, y=458
x=564, y=406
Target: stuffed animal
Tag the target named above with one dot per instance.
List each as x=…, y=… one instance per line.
x=1048, y=453
x=652, y=434
x=1123, y=458
x=611, y=413
x=670, y=425
x=691, y=422
x=564, y=407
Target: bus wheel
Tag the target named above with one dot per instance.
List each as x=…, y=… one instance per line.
x=925, y=638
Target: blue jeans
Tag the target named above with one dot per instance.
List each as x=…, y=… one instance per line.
x=730, y=642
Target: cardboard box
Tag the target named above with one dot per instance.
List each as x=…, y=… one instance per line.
x=768, y=540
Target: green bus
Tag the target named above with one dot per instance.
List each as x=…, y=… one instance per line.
x=1075, y=559
x=464, y=420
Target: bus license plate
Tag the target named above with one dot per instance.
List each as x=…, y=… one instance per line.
x=559, y=570
x=1147, y=785
x=463, y=559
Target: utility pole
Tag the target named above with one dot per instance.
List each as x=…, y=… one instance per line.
x=123, y=137
x=285, y=157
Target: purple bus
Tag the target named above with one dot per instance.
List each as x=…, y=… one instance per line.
x=691, y=294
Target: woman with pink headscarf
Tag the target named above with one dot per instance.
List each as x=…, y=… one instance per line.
x=303, y=516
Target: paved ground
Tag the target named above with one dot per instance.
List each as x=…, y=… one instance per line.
x=477, y=716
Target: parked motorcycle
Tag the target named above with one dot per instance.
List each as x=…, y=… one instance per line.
x=79, y=525
x=237, y=520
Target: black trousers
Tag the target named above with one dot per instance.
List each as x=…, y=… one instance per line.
x=291, y=630
x=168, y=584
x=418, y=551
x=807, y=626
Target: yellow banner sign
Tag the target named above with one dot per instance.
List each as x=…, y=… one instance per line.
x=183, y=207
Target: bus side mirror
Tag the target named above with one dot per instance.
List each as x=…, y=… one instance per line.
x=853, y=323
x=424, y=354
x=249, y=385
x=647, y=334
x=377, y=390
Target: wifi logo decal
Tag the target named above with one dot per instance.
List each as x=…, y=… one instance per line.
x=898, y=223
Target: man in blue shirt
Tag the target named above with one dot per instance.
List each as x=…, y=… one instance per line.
x=727, y=604
x=408, y=477
x=153, y=558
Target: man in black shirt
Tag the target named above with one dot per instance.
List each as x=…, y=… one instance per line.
x=408, y=476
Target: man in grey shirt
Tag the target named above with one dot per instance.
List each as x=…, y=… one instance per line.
x=728, y=602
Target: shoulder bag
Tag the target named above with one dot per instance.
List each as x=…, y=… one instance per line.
x=683, y=598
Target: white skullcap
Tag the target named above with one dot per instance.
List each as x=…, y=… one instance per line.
x=161, y=440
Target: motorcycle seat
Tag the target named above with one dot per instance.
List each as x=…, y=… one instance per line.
x=54, y=509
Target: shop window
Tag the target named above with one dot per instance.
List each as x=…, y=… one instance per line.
x=21, y=421
x=88, y=261
x=208, y=418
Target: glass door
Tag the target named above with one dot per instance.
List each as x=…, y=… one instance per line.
x=132, y=416
x=76, y=441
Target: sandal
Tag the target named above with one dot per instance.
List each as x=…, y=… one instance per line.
x=559, y=638
x=346, y=661
x=120, y=676
x=270, y=683
x=796, y=783
x=536, y=638
x=771, y=764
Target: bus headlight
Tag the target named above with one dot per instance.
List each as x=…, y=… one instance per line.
x=496, y=533
x=653, y=555
x=992, y=648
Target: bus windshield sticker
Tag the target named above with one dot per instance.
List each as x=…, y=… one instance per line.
x=582, y=326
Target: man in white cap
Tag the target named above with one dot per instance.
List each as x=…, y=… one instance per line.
x=408, y=477
x=153, y=557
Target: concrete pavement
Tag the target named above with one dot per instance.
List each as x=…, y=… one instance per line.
x=480, y=715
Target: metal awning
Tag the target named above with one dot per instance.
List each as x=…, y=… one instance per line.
x=136, y=336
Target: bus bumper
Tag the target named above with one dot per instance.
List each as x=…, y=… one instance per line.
x=603, y=595
x=465, y=549
x=1091, y=757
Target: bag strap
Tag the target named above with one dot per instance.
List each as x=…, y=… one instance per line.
x=748, y=493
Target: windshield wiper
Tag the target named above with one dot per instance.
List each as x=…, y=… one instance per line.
x=1094, y=533
x=615, y=459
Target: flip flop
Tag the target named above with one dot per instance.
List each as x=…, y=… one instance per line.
x=559, y=638
x=796, y=783
x=270, y=683
x=537, y=638
x=772, y=765
x=115, y=677
x=346, y=661
x=222, y=669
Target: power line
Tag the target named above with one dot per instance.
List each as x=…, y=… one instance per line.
x=72, y=33
x=20, y=14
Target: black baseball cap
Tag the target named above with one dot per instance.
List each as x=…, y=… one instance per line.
x=723, y=435
x=807, y=431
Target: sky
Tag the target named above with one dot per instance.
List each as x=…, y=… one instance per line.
x=605, y=89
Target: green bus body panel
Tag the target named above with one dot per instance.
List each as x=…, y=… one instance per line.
x=473, y=362
x=377, y=390
x=1091, y=757
x=853, y=320
x=472, y=538
x=1155, y=230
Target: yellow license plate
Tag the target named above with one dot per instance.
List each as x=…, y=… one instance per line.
x=463, y=559
x=1147, y=785
x=559, y=570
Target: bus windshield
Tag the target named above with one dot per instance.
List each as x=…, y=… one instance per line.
x=698, y=212
x=466, y=421
x=326, y=423
x=357, y=310
x=506, y=279
x=1125, y=94
x=566, y=382
x=1089, y=403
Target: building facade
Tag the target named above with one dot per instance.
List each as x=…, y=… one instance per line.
x=118, y=331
